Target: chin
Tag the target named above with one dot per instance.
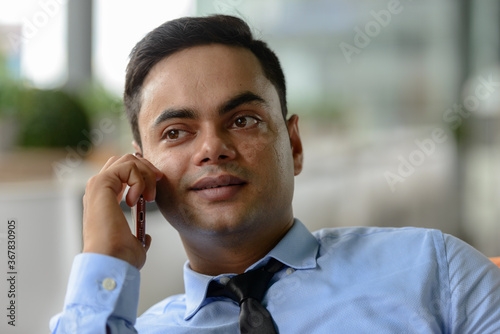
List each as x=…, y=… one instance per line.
x=219, y=220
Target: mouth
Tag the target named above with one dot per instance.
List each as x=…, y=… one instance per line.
x=218, y=188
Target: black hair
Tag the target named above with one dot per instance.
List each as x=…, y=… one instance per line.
x=185, y=32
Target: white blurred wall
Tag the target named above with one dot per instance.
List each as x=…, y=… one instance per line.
x=48, y=237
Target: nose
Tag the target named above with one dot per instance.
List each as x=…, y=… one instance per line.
x=214, y=147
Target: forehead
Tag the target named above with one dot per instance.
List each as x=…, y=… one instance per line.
x=202, y=77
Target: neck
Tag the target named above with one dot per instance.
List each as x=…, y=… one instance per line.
x=214, y=255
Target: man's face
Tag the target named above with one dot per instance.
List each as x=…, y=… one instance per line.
x=212, y=123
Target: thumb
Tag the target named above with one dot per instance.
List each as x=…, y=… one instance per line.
x=148, y=242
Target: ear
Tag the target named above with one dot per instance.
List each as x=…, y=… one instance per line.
x=137, y=147
x=296, y=143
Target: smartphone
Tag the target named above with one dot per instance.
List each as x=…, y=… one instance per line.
x=139, y=217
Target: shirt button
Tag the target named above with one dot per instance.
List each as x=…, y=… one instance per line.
x=290, y=271
x=224, y=280
x=109, y=284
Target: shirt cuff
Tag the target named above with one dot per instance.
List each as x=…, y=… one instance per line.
x=104, y=282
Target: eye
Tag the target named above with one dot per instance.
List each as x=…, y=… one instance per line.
x=174, y=134
x=245, y=122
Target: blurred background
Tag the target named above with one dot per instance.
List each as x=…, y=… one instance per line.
x=399, y=105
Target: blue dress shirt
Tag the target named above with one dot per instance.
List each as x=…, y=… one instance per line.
x=337, y=280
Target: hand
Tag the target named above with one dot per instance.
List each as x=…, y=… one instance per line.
x=105, y=228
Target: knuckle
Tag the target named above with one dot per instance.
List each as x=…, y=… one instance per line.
x=129, y=156
x=91, y=182
x=112, y=159
x=131, y=165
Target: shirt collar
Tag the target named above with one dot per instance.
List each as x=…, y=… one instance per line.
x=298, y=249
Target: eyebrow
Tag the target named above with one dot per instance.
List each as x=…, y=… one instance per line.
x=186, y=113
x=172, y=113
x=240, y=99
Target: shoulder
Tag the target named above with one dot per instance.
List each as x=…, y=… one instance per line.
x=399, y=246
x=383, y=247
x=378, y=236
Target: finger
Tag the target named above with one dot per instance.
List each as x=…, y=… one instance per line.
x=119, y=197
x=108, y=163
x=137, y=182
x=150, y=179
x=147, y=188
x=139, y=160
x=117, y=176
x=147, y=244
x=139, y=174
x=158, y=173
x=118, y=159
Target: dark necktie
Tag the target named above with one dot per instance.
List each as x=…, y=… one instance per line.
x=248, y=289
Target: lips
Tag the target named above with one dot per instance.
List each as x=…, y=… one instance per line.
x=218, y=188
x=216, y=182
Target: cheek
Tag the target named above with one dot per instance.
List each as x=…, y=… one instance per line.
x=168, y=196
x=272, y=155
x=253, y=150
x=171, y=165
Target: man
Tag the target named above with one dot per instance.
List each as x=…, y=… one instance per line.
x=218, y=154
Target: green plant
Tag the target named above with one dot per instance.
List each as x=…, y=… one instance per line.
x=9, y=90
x=9, y=97
x=99, y=101
x=51, y=118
